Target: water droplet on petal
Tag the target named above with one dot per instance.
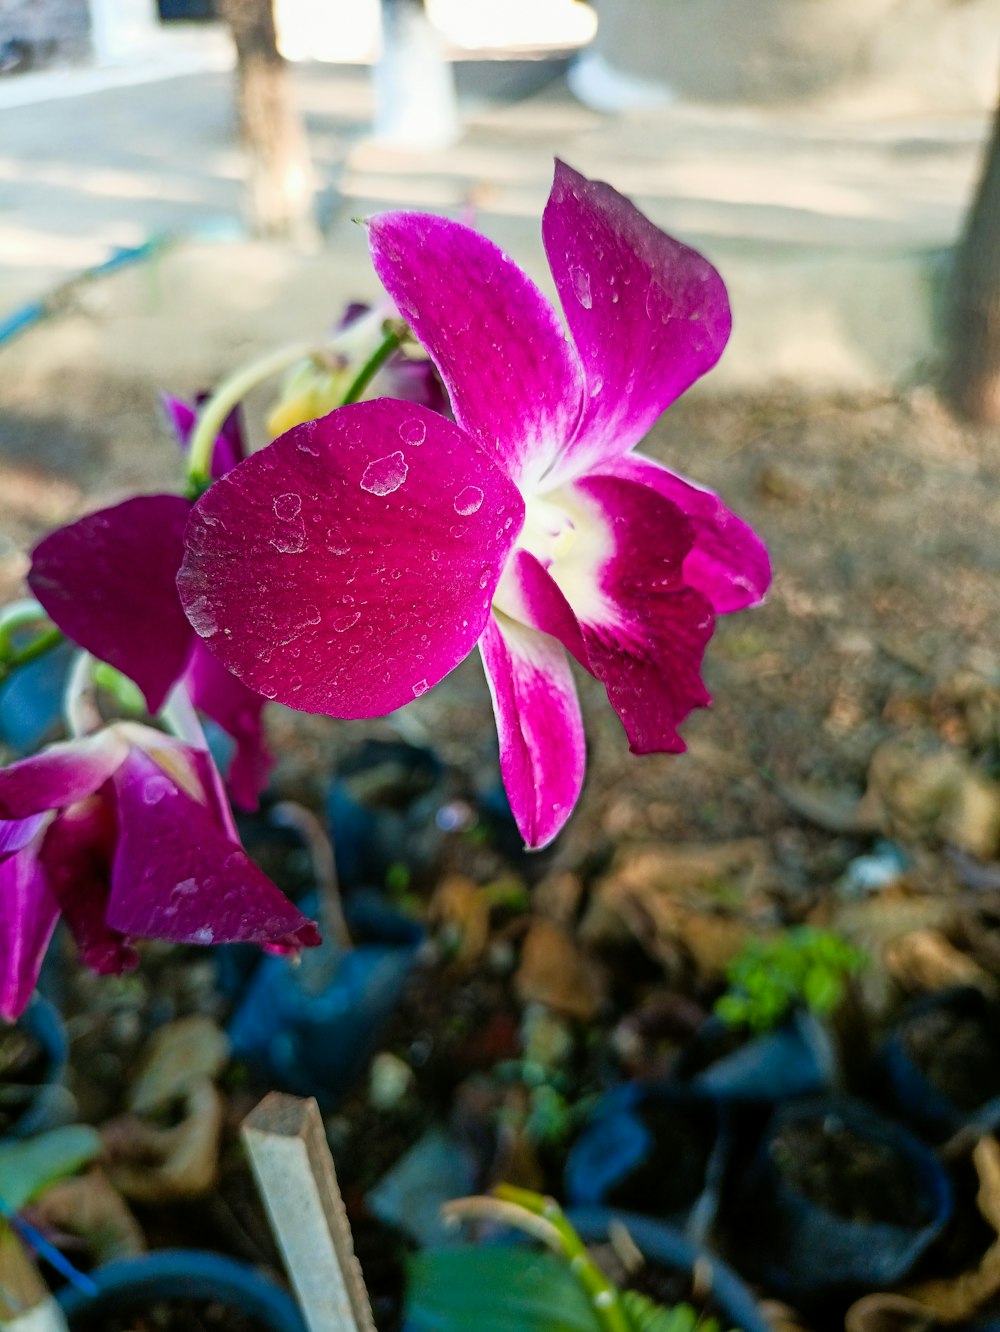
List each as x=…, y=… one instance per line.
x=581, y=286
x=291, y=542
x=385, y=475
x=312, y=614
x=413, y=432
x=336, y=542
x=420, y=687
x=202, y=616
x=155, y=789
x=287, y=506
x=468, y=501
x=484, y=577
x=346, y=622
x=269, y=691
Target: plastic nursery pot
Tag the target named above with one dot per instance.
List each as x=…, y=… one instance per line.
x=33, y=1056
x=941, y=1062
x=652, y=1148
x=231, y=1296
x=730, y=1301
x=311, y=1027
x=381, y=810
x=838, y=1200
x=795, y=1059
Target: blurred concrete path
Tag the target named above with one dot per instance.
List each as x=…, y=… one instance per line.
x=832, y=225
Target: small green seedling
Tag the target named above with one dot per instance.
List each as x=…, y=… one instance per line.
x=502, y=1288
x=803, y=967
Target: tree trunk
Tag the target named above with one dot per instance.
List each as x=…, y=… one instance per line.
x=972, y=380
x=281, y=181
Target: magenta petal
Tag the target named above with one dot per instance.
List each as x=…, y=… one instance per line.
x=648, y=315
x=177, y=876
x=59, y=775
x=514, y=380
x=28, y=915
x=76, y=854
x=619, y=603
x=229, y=448
x=542, y=752
x=350, y=565
x=108, y=582
x=17, y=833
x=231, y=705
x=647, y=630
x=728, y=561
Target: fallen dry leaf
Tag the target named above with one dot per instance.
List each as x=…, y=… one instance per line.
x=21, y=1285
x=152, y=1164
x=926, y=960
x=884, y=1312
x=463, y=909
x=669, y=898
x=922, y=791
x=554, y=971
x=955, y=1299
x=178, y=1057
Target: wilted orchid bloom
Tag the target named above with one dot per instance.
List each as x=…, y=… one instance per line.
x=349, y=566
x=320, y=383
x=128, y=835
x=108, y=581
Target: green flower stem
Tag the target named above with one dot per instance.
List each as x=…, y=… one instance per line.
x=234, y=389
x=603, y=1294
x=80, y=709
x=392, y=339
x=231, y=391
x=14, y=617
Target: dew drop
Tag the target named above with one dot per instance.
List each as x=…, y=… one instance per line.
x=287, y=506
x=203, y=935
x=155, y=789
x=413, y=432
x=581, y=286
x=385, y=475
x=291, y=542
x=336, y=542
x=484, y=577
x=303, y=447
x=420, y=687
x=269, y=691
x=468, y=501
x=312, y=614
x=202, y=617
x=596, y=386
x=346, y=622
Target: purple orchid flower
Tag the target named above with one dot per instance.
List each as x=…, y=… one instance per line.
x=108, y=581
x=354, y=562
x=127, y=834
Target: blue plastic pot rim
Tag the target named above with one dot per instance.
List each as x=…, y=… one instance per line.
x=129, y=1283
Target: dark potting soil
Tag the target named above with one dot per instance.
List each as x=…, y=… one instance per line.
x=23, y=1066
x=958, y=1053
x=176, y=1316
x=672, y=1177
x=850, y=1175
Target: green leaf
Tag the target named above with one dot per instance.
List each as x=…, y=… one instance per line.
x=495, y=1288
x=28, y=1168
